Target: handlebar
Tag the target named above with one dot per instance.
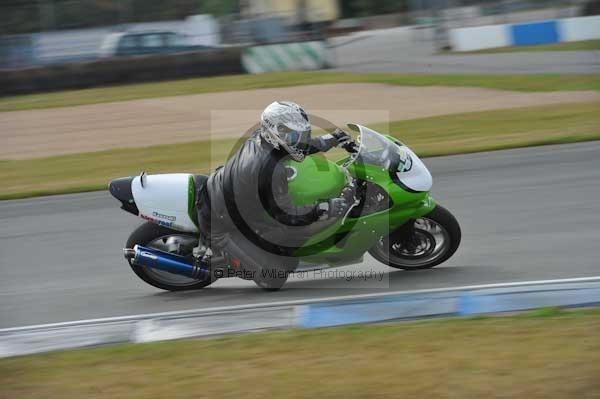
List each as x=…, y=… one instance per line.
x=351, y=147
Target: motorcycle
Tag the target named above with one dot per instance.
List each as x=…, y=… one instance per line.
x=393, y=218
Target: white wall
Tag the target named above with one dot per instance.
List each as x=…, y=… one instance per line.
x=480, y=37
x=203, y=30
x=490, y=36
x=582, y=28
x=514, y=17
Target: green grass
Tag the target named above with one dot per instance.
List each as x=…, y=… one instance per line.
x=586, y=45
x=271, y=80
x=553, y=355
x=442, y=135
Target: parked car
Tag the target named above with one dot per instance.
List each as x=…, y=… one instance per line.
x=140, y=43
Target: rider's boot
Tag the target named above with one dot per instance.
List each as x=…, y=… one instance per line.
x=202, y=255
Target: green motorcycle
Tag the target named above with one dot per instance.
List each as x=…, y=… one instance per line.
x=393, y=217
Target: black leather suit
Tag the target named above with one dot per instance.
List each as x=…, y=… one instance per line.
x=251, y=216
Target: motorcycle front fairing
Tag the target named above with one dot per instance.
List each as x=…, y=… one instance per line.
x=395, y=184
x=405, y=167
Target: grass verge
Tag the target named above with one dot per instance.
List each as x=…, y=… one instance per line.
x=284, y=79
x=552, y=354
x=585, y=45
x=442, y=135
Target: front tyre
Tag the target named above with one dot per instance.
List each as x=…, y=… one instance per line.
x=154, y=236
x=421, y=243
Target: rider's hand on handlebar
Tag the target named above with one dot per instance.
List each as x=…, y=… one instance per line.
x=345, y=141
x=341, y=137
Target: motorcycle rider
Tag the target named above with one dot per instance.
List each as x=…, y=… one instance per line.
x=250, y=215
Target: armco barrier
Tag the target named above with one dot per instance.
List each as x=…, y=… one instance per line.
x=285, y=57
x=121, y=70
x=310, y=313
x=525, y=34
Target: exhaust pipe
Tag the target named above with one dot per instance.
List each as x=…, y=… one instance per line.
x=176, y=264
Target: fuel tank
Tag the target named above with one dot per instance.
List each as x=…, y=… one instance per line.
x=313, y=180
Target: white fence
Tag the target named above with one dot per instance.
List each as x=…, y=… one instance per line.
x=531, y=33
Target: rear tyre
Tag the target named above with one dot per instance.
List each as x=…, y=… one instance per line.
x=421, y=243
x=154, y=236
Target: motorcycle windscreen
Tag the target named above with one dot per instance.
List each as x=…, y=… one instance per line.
x=404, y=165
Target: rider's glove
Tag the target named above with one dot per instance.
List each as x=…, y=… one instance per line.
x=341, y=137
x=338, y=138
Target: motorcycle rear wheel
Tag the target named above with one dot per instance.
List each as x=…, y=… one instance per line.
x=425, y=243
x=154, y=236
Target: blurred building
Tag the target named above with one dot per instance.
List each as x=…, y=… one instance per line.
x=39, y=32
x=299, y=11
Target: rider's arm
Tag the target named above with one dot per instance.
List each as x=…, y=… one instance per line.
x=328, y=141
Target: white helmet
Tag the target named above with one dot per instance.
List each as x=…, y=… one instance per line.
x=285, y=125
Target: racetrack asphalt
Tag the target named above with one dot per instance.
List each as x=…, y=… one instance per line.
x=526, y=214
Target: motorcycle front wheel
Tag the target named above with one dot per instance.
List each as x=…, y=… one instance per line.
x=421, y=243
x=154, y=236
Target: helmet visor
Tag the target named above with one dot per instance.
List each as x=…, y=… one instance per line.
x=294, y=138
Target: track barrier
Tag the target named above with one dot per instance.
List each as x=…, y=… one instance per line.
x=525, y=34
x=310, y=313
x=285, y=57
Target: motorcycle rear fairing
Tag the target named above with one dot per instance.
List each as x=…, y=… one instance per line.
x=167, y=200
x=121, y=190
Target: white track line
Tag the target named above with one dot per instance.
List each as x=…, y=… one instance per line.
x=180, y=313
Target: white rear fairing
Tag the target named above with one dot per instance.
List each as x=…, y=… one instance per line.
x=164, y=200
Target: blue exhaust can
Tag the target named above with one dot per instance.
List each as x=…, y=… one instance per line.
x=176, y=264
